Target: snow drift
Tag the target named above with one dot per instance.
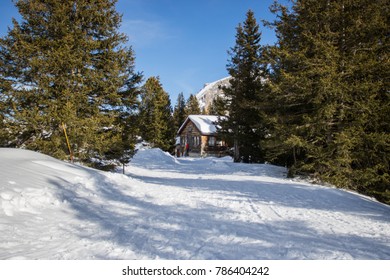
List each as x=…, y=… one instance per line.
x=169, y=208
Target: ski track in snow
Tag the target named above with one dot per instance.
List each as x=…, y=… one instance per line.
x=169, y=208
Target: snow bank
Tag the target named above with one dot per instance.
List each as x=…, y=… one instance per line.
x=179, y=208
x=146, y=157
x=25, y=183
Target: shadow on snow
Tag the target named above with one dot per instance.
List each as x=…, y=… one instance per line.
x=155, y=231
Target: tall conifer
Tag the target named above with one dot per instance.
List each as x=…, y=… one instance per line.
x=217, y=107
x=329, y=78
x=66, y=64
x=245, y=125
x=156, y=120
x=179, y=113
x=192, y=106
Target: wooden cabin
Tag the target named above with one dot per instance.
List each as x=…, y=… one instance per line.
x=200, y=132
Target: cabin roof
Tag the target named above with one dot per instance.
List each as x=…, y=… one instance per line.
x=204, y=123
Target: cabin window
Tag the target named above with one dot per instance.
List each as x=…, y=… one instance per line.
x=211, y=141
x=195, y=141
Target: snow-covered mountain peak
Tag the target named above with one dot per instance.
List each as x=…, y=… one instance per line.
x=210, y=91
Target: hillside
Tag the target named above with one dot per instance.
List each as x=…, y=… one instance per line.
x=210, y=91
x=169, y=208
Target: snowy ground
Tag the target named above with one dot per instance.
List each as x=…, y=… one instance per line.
x=168, y=208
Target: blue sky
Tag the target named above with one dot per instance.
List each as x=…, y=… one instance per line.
x=184, y=42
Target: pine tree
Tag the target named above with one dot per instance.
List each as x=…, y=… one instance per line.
x=217, y=107
x=65, y=64
x=156, y=122
x=245, y=125
x=301, y=81
x=179, y=113
x=365, y=73
x=329, y=73
x=192, y=106
x=123, y=149
x=5, y=106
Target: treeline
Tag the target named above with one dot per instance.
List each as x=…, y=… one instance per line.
x=157, y=122
x=64, y=66
x=65, y=69
x=318, y=100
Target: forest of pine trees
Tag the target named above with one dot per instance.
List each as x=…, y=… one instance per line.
x=317, y=101
x=330, y=71
x=64, y=66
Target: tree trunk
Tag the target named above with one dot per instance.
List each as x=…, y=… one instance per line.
x=236, y=151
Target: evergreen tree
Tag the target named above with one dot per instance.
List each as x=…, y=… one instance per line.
x=245, y=98
x=123, y=148
x=179, y=113
x=217, y=107
x=329, y=73
x=365, y=69
x=156, y=123
x=64, y=63
x=5, y=107
x=192, y=106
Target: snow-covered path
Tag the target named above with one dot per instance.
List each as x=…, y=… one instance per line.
x=168, y=208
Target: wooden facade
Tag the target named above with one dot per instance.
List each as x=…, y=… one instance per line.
x=201, y=136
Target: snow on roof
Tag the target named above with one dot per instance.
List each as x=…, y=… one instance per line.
x=205, y=123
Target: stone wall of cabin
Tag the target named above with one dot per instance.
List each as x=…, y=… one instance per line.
x=192, y=135
x=199, y=144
